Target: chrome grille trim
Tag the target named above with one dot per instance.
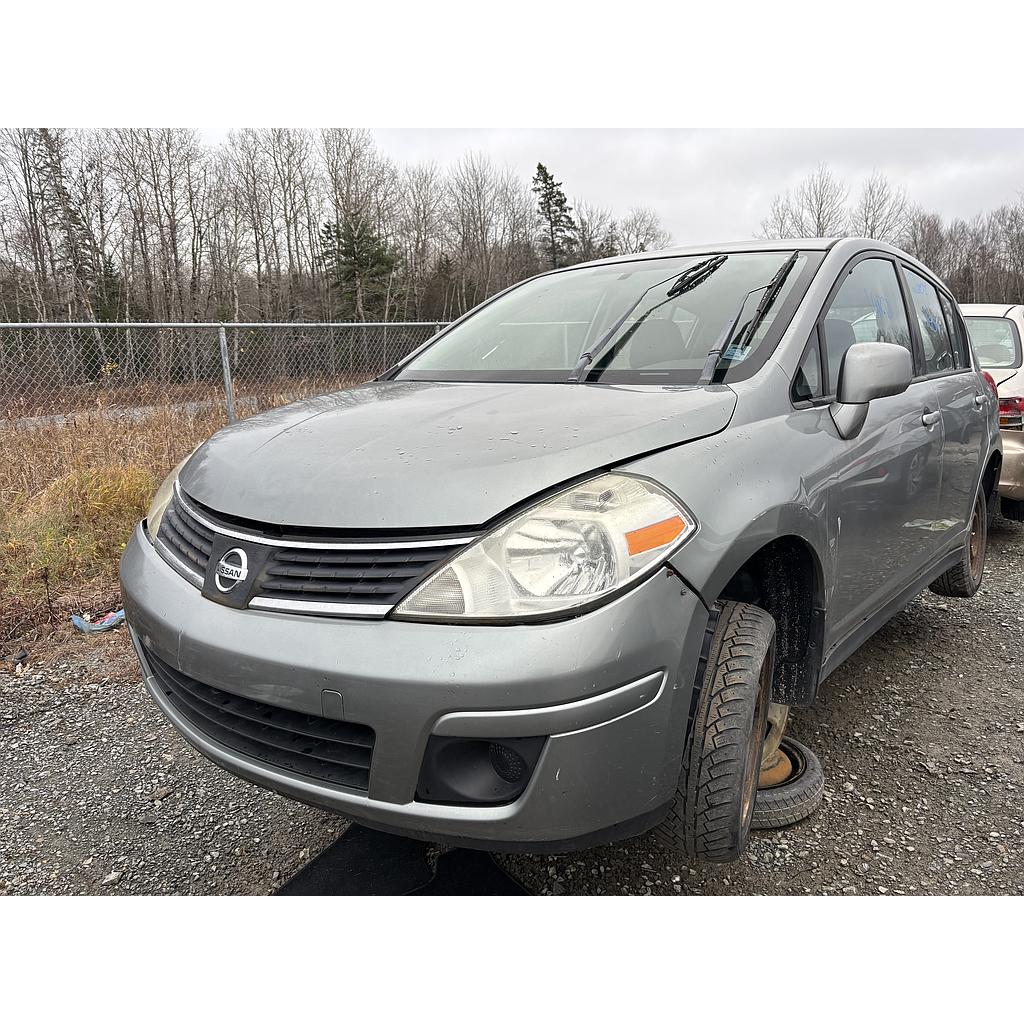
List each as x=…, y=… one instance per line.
x=182, y=567
x=366, y=579
x=348, y=611
x=317, y=545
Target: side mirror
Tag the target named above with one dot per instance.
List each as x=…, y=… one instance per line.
x=870, y=370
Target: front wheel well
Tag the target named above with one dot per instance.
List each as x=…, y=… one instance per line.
x=784, y=578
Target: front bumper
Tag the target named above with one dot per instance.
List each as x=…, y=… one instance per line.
x=1011, y=476
x=611, y=689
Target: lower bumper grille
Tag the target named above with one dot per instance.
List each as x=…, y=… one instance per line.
x=330, y=751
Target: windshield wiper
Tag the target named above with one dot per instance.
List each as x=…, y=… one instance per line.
x=771, y=293
x=695, y=275
x=684, y=282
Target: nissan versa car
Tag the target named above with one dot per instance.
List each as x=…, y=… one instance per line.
x=557, y=577
x=995, y=331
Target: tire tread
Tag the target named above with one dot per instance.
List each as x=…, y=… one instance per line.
x=702, y=820
x=957, y=581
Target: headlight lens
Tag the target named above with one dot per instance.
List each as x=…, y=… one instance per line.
x=567, y=551
x=162, y=498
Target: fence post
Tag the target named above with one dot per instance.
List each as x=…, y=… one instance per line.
x=229, y=387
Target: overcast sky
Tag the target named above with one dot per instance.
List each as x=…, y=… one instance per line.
x=716, y=185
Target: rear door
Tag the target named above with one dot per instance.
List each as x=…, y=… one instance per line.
x=888, y=478
x=946, y=364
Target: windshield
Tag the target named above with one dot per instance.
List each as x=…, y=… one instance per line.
x=539, y=330
x=995, y=340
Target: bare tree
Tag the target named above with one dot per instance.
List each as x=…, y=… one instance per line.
x=820, y=205
x=641, y=231
x=488, y=229
x=881, y=210
x=596, y=232
x=418, y=230
x=780, y=222
x=817, y=209
x=924, y=237
x=153, y=224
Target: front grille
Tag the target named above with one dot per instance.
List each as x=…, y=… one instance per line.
x=369, y=576
x=303, y=571
x=186, y=538
x=324, y=749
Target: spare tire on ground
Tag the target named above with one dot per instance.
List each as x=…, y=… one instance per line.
x=796, y=797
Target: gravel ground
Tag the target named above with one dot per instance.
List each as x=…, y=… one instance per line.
x=921, y=735
x=98, y=794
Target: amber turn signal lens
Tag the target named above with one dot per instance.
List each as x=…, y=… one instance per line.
x=657, y=535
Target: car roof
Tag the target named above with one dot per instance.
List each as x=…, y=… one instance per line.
x=989, y=308
x=749, y=245
x=845, y=247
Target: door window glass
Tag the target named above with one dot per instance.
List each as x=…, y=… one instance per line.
x=938, y=349
x=868, y=307
x=807, y=382
x=956, y=332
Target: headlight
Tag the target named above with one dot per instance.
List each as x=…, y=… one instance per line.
x=570, y=550
x=162, y=498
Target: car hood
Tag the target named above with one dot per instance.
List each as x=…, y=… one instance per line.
x=415, y=455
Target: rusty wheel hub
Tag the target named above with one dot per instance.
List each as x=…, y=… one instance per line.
x=775, y=770
x=776, y=765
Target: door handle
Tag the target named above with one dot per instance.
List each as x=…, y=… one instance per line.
x=979, y=401
x=929, y=419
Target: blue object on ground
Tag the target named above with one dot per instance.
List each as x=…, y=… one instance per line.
x=109, y=621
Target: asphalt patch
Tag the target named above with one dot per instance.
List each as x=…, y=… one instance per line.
x=364, y=862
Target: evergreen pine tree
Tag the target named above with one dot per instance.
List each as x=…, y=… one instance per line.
x=557, y=228
x=359, y=264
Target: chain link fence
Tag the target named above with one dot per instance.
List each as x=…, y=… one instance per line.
x=50, y=371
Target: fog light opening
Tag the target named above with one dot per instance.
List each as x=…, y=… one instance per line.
x=507, y=764
x=468, y=771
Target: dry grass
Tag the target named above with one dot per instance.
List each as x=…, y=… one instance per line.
x=72, y=490
x=70, y=495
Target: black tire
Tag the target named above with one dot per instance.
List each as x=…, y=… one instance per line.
x=965, y=577
x=1011, y=509
x=710, y=818
x=796, y=798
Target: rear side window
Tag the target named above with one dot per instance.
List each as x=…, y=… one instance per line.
x=995, y=340
x=938, y=348
x=956, y=332
x=868, y=307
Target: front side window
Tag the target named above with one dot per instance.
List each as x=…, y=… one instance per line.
x=867, y=307
x=807, y=382
x=995, y=340
x=641, y=328
x=938, y=349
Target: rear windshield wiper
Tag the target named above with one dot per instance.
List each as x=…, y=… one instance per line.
x=771, y=293
x=684, y=282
